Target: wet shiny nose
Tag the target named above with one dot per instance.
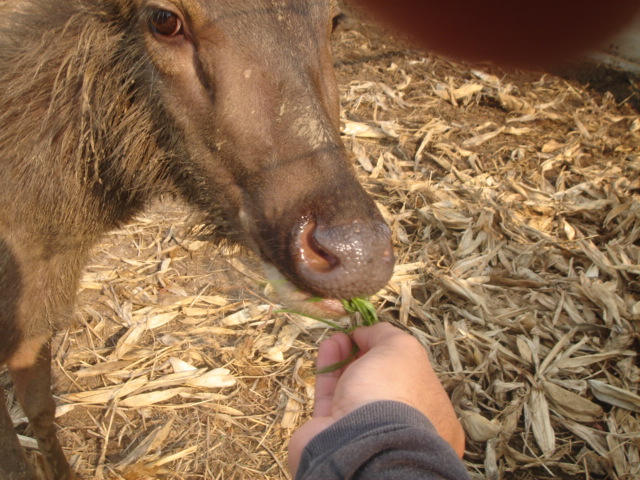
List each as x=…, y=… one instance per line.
x=344, y=261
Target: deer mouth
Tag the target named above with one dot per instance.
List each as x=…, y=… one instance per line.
x=330, y=263
x=301, y=301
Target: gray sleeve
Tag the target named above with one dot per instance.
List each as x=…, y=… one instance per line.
x=380, y=441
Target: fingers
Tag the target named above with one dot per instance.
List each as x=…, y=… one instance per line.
x=380, y=334
x=331, y=351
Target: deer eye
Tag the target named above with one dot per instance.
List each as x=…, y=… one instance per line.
x=166, y=24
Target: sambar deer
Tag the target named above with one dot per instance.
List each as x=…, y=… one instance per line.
x=105, y=104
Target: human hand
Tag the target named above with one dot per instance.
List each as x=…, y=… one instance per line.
x=392, y=365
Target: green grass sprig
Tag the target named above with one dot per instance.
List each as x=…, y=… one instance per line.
x=354, y=305
x=364, y=307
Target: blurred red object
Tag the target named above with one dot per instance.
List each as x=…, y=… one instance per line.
x=520, y=33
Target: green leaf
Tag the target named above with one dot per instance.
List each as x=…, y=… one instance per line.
x=364, y=307
x=357, y=304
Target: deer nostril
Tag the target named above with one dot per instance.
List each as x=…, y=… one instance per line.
x=311, y=252
x=347, y=260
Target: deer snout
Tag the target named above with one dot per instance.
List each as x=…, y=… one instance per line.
x=343, y=261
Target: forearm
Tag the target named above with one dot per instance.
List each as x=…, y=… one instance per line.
x=382, y=440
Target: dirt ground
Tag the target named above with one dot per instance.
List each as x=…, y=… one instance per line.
x=514, y=198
